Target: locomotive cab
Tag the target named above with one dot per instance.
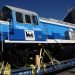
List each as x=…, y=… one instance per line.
x=21, y=16
x=18, y=15
x=22, y=21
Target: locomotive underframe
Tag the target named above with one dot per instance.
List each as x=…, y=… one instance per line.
x=23, y=55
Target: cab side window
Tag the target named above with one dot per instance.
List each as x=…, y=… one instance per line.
x=35, y=20
x=27, y=18
x=19, y=17
x=6, y=14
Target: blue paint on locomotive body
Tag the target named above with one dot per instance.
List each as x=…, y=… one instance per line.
x=29, y=31
x=55, y=31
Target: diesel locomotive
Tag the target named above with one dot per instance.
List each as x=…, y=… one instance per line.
x=24, y=35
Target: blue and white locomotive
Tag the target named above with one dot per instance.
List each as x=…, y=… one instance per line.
x=23, y=33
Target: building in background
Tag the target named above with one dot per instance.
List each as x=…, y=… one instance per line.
x=70, y=17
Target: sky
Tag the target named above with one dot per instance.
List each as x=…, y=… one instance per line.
x=56, y=9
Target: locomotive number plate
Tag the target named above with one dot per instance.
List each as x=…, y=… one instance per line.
x=29, y=35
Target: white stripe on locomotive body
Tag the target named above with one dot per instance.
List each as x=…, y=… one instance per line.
x=4, y=22
x=47, y=41
x=57, y=22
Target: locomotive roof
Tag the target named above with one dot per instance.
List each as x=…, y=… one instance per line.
x=21, y=10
